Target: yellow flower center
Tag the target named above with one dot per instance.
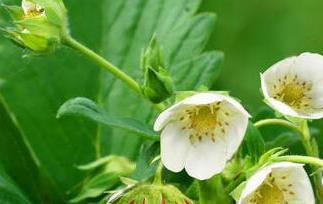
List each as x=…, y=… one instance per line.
x=292, y=91
x=203, y=121
x=270, y=194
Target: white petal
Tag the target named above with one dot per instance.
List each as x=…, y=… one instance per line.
x=296, y=176
x=175, y=145
x=236, y=105
x=27, y=5
x=203, y=98
x=309, y=67
x=235, y=134
x=254, y=182
x=282, y=107
x=206, y=158
x=166, y=116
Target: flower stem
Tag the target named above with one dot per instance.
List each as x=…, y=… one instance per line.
x=71, y=42
x=158, y=174
x=311, y=151
x=106, y=65
x=285, y=123
x=301, y=159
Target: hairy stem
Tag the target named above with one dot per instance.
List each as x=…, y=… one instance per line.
x=106, y=65
x=303, y=130
x=280, y=122
x=301, y=159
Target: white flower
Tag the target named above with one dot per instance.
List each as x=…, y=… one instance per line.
x=294, y=86
x=31, y=9
x=201, y=133
x=279, y=183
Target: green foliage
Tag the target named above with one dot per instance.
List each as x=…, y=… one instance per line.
x=9, y=192
x=129, y=26
x=254, y=144
x=158, y=84
x=106, y=173
x=86, y=108
x=33, y=90
x=146, y=166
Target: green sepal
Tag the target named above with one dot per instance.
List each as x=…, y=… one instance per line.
x=158, y=84
x=236, y=193
x=105, y=175
x=147, y=193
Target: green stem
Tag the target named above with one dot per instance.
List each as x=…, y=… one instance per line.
x=158, y=174
x=301, y=159
x=303, y=130
x=280, y=122
x=106, y=65
x=71, y=42
x=310, y=151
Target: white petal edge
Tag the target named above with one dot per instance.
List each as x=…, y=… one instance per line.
x=203, y=98
x=206, y=159
x=175, y=145
x=166, y=116
x=254, y=182
x=259, y=177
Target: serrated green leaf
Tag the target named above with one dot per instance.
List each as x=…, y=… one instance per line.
x=181, y=32
x=89, y=109
x=35, y=87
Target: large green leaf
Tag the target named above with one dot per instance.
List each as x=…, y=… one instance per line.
x=20, y=165
x=129, y=25
x=34, y=89
x=9, y=192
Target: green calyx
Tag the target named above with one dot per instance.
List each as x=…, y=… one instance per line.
x=37, y=25
x=157, y=194
x=158, y=84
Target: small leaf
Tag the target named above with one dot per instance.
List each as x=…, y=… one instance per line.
x=145, y=168
x=111, y=168
x=86, y=108
x=96, y=163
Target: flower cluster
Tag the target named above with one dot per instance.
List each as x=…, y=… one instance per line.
x=202, y=132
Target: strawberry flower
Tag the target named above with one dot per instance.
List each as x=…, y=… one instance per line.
x=201, y=133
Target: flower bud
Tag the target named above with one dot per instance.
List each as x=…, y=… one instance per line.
x=37, y=25
x=159, y=194
x=158, y=85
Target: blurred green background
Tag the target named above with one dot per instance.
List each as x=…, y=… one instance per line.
x=254, y=34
